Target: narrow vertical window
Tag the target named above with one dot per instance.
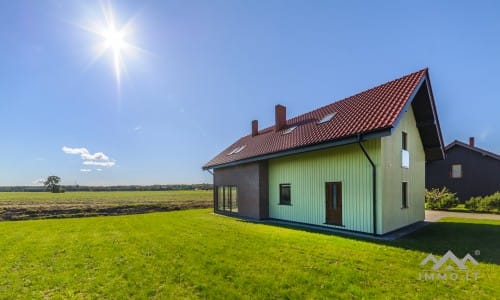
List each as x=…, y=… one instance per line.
x=404, y=195
x=234, y=199
x=404, y=141
x=285, y=194
x=456, y=171
x=405, y=155
x=220, y=198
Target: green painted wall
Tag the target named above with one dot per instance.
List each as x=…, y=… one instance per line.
x=307, y=174
x=393, y=215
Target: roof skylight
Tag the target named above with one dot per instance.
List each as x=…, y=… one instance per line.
x=290, y=129
x=327, y=118
x=237, y=150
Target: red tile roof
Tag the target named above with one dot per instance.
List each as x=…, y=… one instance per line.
x=375, y=109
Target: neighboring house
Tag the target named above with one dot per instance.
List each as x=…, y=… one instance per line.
x=467, y=170
x=357, y=164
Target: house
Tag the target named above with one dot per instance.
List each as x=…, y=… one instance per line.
x=357, y=164
x=467, y=170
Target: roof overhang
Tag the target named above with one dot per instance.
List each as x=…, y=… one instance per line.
x=340, y=142
x=472, y=148
x=424, y=108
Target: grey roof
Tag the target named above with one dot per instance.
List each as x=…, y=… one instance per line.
x=467, y=146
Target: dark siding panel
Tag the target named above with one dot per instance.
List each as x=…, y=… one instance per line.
x=480, y=174
x=264, y=190
x=249, y=180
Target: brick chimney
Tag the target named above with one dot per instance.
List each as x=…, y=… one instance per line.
x=471, y=141
x=255, y=127
x=280, y=114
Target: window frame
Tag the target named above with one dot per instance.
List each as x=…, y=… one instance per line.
x=281, y=194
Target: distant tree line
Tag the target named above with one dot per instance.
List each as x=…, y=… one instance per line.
x=83, y=188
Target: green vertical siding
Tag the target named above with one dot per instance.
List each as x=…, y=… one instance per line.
x=307, y=174
x=393, y=215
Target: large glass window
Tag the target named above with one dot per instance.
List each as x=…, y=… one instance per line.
x=285, y=194
x=234, y=198
x=227, y=198
x=220, y=198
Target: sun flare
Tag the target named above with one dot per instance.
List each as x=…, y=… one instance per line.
x=113, y=40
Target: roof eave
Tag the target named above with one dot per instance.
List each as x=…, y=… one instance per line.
x=333, y=143
x=432, y=153
x=472, y=148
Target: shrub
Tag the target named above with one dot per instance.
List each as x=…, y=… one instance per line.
x=489, y=203
x=473, y=203
x=440, y=198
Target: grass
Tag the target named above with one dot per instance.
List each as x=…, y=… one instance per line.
x=196, y=254
x=25, y=205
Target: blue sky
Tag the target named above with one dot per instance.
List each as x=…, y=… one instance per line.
x=207, y=68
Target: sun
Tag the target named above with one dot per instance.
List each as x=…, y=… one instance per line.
x=113, y=40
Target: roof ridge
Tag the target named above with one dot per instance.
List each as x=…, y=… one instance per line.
x=351, y=96
x=375, y=109
x=376, y=87
x=474, y=148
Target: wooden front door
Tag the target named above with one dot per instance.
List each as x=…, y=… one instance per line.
x=333, y=198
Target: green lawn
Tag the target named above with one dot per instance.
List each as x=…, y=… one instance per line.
x=25, y=205
x=196, y=254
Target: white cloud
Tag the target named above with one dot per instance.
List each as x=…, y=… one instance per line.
x=96, y=159
x=137, y=128
x=99, y=163
x=39, y=181
x=95, y=156
x=98, y=170
x=69, y=150
x=85, y=154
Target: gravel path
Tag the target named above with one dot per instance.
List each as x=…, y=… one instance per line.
x=436, y=215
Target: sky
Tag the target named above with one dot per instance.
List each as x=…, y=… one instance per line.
x=192, y=75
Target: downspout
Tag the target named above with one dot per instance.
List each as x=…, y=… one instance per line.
x=374, y=176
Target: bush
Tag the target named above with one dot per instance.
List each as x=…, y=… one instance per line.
x=473, y=203
x=440, y=198
x=489, y=203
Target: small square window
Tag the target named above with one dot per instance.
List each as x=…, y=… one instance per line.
x=404, y=195
x=285, y=194
x=456, y=171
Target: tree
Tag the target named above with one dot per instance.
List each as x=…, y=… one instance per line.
x=52, y=184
